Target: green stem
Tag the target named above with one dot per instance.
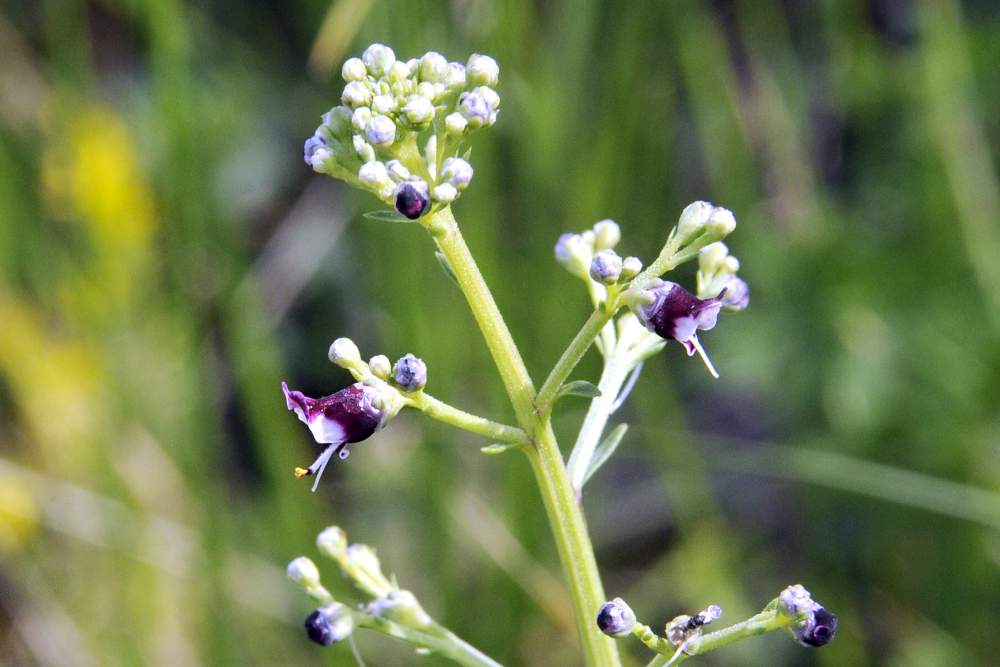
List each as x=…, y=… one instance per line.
x=438, y=640
x=766, y=621
x=571, y=357
x=564, y=513
x=437, y=409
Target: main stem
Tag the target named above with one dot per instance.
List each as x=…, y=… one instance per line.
x=565, y=515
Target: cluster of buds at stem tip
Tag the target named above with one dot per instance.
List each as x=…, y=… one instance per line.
x=357, y=411
x=812, y=624
x=590, y=255
x=701, y=223
x=717, y=277
x=401, y=125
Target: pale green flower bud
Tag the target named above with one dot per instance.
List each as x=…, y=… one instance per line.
x=332, y=542
x=427, y=89
x=381, y=366
x=575, y=254
x=712, y=256
x=360, y=118
x=721, y=223
x=455, y=78
x=693, y=219
x=378, y=58
x=338, y=121
x=381, y=131
x=398, y=72
x=455, y=123
x=384, y=104
x=482, y=70
x=731, y=265
x=444, y=193
x=363, y=149
x=474, y=108
x=433, y=67
x=607, y=234
x=457, y=171
x=354, y=70
x=419, y=110
x=400, y=607
x=344, y=353
x=303, y=572
x=397, y=171
x=413, y=66
x=489, y=95
x=374, y=175
x=356, y=94
x=631, y=267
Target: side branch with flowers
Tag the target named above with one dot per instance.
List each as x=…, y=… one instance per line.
x=399, y=133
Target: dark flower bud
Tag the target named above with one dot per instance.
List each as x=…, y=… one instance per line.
x=329, y=625
x=616, y=618
x=412, y=199
x=673, y=312
x=818, y=630
x=350, y=415
x=410, y=373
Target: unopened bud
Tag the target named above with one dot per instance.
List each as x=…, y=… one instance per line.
x=445, y=193
x=354, y=70
x=631, y=267
x=721, y=223
x=356, y=94
x=381, y=131
x=303, y=572
x=344, y=353
x=616, y=618
x=693, y=219
x=433, y=67
x=455, y=123
x=410, y=373
x=482, y=70
x=457, y=171
x=378, y=58
x=419, y=110
x=381, y=367
x=332, y=542
x=402, y=607
x=329, y=625
x=412, y=198
x=607, y=234
x=606, y=267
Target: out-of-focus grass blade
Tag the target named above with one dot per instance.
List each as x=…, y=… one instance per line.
x=339, y=27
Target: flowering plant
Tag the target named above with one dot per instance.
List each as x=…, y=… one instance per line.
x=400, y=133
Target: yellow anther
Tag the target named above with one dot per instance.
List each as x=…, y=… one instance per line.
x=301, y=472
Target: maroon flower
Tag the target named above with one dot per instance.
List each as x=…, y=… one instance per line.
x=676, y=313
x=348, y=416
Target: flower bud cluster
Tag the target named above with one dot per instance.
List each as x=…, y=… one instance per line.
x=717, y=277
x=388, y=106
x=814, y=625
x=702, y=223
x=590, y=256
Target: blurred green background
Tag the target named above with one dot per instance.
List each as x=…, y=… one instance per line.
x=166, y=259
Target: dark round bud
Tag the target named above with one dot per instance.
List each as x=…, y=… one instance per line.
x=822, y=630
x=412, y=199
x=615, y=618
x=319, y=628
x=410, y=373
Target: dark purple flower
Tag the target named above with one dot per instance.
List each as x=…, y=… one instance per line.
x=615, y=618
x=819, y=629
x=312, y=143
x=412, y=199
x=348, y=416
x=328, y=625
x=676, y=313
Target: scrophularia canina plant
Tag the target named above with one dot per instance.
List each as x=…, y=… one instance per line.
x=400, y=134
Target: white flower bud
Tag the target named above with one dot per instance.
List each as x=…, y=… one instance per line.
x=419, y=110
x=381, y=366
x=427, y=89
x=381, y=131
x=631, y=267
x=360, y=118
x=457, y=171
x=575, y=254
x=731, y=265
x=363, y=558
x=607, y=234
x=444, y=193
x=606, y=267
x=399, y=71
x=455, y=78
x=356, y=94
x=303, y=571
x=693, y=219
x=344, y=353
x=378, y=58
x=332, y=542
x=373, y=174
x=363, y=149
x=721, y=223
x=455, y=123
x=397, y=171
x=433, y=67
x=354, y=70
x=712, y=256
x=384, y=104
x=474, y=109
x=490, y=95
x=482, y=70
x=338, y=120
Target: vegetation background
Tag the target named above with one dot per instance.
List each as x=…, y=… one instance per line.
x=166, y=259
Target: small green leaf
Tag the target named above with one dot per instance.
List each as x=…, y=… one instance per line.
x=385, y=216
x=578, y=388
x=446, y=265
x=467, y=154
x=605, y=450
x=499, y=448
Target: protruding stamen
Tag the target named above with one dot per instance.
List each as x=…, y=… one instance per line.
x=704, y=357
x=301, y=472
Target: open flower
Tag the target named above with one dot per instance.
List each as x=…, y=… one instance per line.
x=350, y=415
x=670, y=311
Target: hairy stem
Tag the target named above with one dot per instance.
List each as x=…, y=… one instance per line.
x=565, y=516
